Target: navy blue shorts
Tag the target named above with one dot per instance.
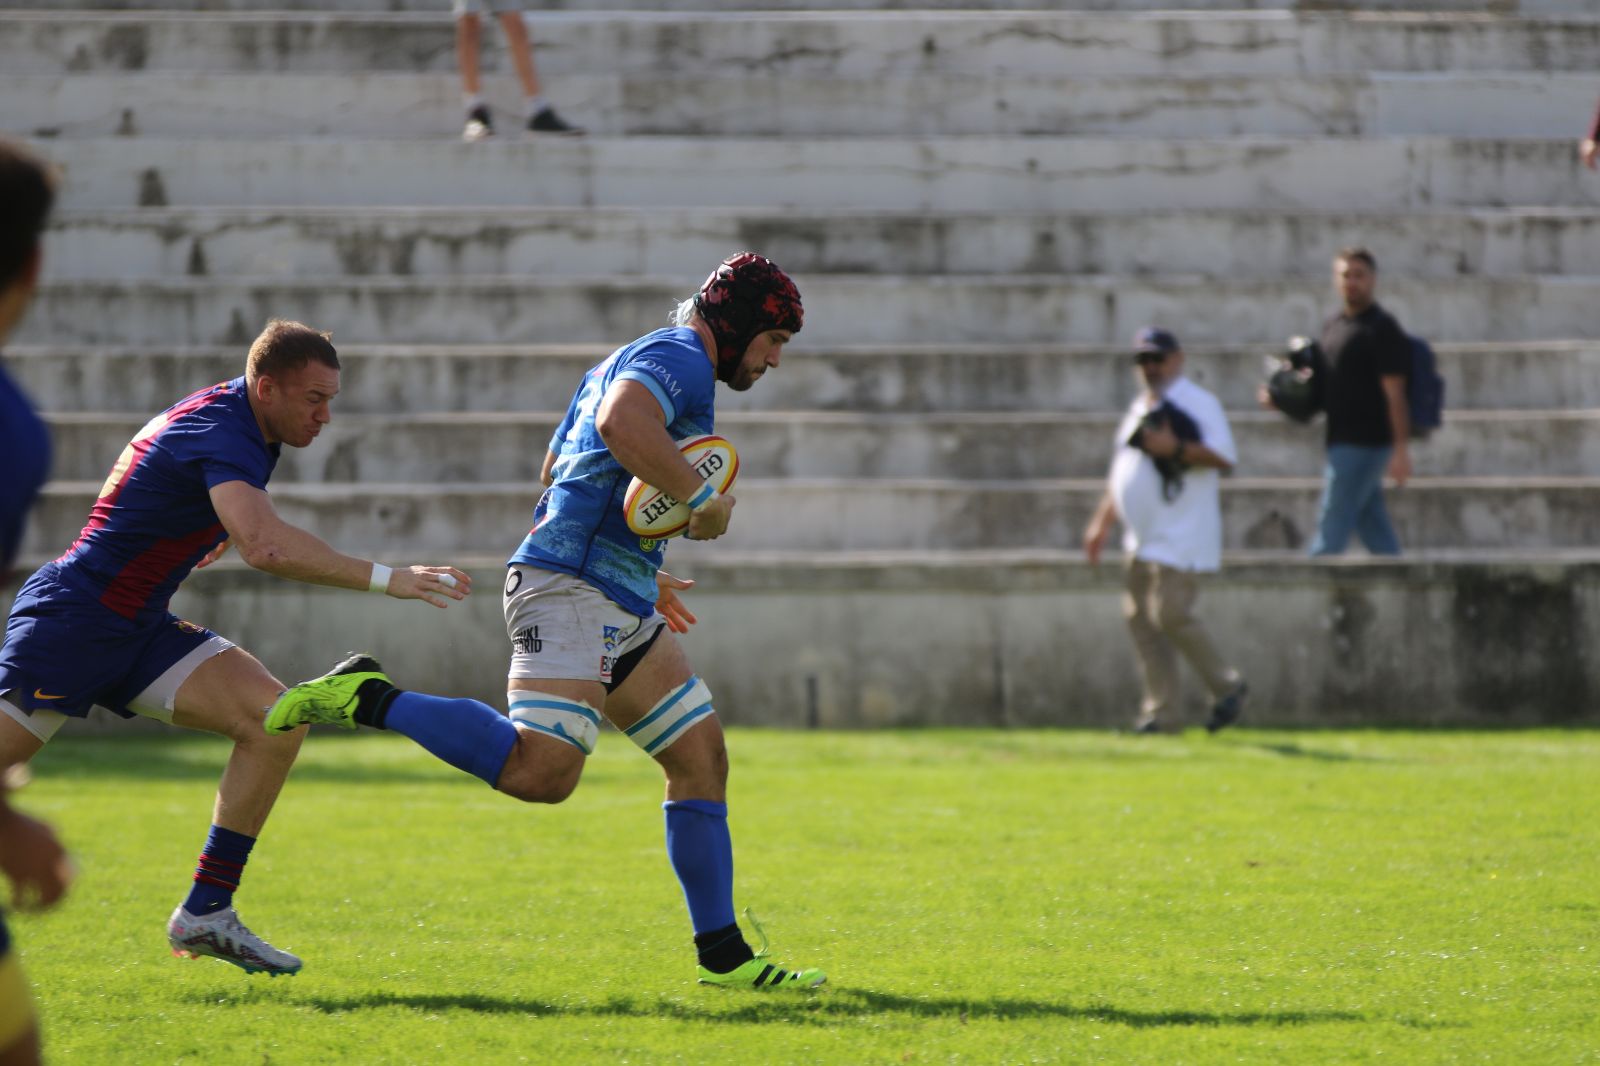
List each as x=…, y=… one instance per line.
x=65, y=652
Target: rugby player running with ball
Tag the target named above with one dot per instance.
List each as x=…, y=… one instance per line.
x=588, y=609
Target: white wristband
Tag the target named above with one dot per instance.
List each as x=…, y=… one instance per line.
x=702, y=499
x=379, y=582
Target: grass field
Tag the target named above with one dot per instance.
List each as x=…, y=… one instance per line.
x=986, y=897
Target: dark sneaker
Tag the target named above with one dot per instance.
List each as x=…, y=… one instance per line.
x=545, y=120
x=332, y=699
x=479, y=124
x=1226, y=711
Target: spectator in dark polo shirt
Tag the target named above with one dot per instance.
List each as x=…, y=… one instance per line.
x=1369, y=426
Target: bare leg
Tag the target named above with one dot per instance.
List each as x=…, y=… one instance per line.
x=521, y=49
x=696, y=765
x=228, y=694
x=17, y=745
x=469, y=32
x=542, y=769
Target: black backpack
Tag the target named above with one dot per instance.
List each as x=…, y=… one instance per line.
x=1424, y=390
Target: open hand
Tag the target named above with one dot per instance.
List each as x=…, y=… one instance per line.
x=669, y=606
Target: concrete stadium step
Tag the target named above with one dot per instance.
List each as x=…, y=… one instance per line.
x=321, y=242
x=997, y=638
x=740, y=7
x=1532, y=513
x=459, y=449
x=756, y=104
x=941, y=174
x=899, y=378
x=976, y=638
x=840, y=309
x=832, y=43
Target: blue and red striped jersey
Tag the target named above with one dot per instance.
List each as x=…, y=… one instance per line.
x=154, y=520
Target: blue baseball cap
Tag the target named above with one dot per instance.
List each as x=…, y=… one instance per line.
x=1154, y=339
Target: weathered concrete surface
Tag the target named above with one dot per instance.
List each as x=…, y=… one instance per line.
x=840, y=308
x=426, y=242
x=757, y=105
x=835, y=44
x=894, y=514
x=1032, y=639
x=929, y=174
x=901, y=378
x=831, y=6
x=505, y=446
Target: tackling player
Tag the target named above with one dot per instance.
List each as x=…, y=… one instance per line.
x=587, y=607
x=30, y=855
x=93, y=628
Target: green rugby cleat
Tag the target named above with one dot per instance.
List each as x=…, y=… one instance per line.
x=332, y=699
x=759, y=973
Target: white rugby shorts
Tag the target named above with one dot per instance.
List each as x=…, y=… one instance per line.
x=563, y=627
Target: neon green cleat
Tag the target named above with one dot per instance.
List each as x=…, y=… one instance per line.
x=331, y=699
x=759, y=973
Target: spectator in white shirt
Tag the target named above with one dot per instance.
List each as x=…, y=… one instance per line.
x=1168, y=455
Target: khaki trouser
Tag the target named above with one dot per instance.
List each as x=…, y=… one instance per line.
x=1159, y=608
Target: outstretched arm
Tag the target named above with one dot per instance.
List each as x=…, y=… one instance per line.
x=266, y=542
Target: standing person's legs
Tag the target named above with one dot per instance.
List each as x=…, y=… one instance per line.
x=537, y=114
x=520, y=46
x=469, y=41
x=1352, y=474
x=1373, y=525
x=1158, y=660
x=1174, y=595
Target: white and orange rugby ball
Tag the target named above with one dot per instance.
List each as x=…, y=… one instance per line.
x=653, y=514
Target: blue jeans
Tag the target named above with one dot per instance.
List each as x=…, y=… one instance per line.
x=1352, y=501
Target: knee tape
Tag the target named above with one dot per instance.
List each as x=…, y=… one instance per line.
x=669, y=719
x=570, y=720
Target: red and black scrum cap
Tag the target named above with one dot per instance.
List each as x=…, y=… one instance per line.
x=746, y=295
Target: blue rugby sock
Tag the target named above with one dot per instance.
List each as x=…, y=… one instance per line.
x=216, y=878
x=467, y=734
x=701, y=853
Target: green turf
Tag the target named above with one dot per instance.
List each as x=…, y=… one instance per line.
x=975, y=897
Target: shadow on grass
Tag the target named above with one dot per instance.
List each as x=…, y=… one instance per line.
x=1300, y=751
x=827, y=1006
x=202, y=759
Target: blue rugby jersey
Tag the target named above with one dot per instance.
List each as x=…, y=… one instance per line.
x=154, y=520
x=25, y=448
x=578, y=524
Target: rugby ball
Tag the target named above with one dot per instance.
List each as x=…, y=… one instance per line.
x=653, y=514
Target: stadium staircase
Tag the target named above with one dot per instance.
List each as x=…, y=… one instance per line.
x=981, y=202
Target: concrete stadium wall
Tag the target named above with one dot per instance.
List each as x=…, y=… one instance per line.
x=1016, y=639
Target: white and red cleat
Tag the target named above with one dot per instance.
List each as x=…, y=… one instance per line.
x=222, y=935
